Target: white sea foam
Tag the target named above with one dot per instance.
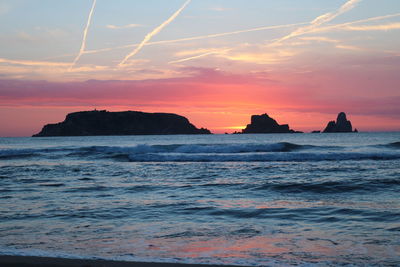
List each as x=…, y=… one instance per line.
x=212, y=152
x=204, y=148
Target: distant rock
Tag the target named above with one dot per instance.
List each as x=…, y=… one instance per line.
x=86, y=123
x=317, y=131
x=342, y=125
x=265, y=124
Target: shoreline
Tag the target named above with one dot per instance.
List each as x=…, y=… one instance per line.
x=36, y=261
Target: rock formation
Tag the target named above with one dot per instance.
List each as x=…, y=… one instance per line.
x=342, y=125
x=86, y=123
x=265, y=124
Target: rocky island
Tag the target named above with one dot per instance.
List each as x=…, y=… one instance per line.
x=342, y=125
x=265, y=124
x=88, y=123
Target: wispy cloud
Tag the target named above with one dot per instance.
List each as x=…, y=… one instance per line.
x=204, y=54
x=85, y=31
x=349, y=5
x=325, y=18
x=150, y=35
x=246, y=53
x=350, y=47
x=193, y=52
x=261, y=57
x=33, y=63
x=128, y=26
x=194, y=38
x=201, y=37
x=319, y=39
x=336, y=43
x=348, y=25
x=381, y=27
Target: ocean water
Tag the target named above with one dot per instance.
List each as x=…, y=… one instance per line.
x=257, y=200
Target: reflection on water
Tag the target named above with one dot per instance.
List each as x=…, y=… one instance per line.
x=336, y=204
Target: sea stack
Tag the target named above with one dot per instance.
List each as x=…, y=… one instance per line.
x=265, y=124
x=342, y=125
x=90, y=123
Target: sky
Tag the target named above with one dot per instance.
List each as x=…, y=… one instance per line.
x=216, y=62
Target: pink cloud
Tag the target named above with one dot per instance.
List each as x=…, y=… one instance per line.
x=216, y=99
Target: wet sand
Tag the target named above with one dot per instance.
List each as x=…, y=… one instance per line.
x=28, y=261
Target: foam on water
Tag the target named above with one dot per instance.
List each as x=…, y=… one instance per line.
x=281, y=151
x=255, y=200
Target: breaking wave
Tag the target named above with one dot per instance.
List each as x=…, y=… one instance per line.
x=205, y=148
x=394, y=145
x=261, y=157
x=282, y=151
x=146, y=149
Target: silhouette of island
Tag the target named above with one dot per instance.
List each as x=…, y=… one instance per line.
x=342, y=125
x=265, y=124
x=88, y=123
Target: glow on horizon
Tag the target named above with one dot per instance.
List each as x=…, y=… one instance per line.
x=216, y=64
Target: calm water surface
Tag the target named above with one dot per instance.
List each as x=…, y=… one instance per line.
x=286, y=199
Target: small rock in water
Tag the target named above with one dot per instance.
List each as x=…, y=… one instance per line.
x=342, y=125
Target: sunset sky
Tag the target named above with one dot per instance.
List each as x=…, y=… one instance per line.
x=216, y=62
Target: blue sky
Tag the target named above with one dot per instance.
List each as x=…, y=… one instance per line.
x=35, y=30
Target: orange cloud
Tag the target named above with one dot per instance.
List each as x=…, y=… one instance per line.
x=217, y=100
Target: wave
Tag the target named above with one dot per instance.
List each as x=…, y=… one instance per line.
x=202, y=148
x=282, y=151
x=8, y=154
x=331, y=187
x=261, y=157
x=315, y=214
x=394, y=145
x=145, y=149
x=17, y=153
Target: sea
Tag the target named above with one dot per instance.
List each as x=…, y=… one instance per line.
x=254, y=200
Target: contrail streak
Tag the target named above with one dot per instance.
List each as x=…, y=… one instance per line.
x=381, y=27
x=83, y=46
x=201, y=37
x=150, y=35
x=319, y=21
x=302, y=30
x=350, y=4
x=199, y=56
x=345, y=25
